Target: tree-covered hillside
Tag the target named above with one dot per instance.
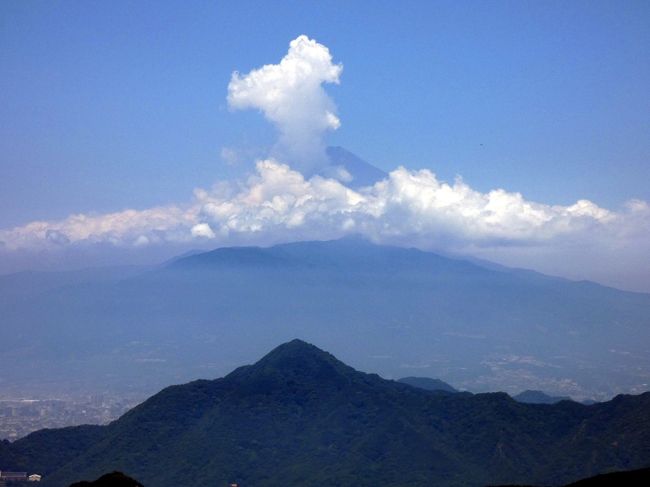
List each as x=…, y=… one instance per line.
x=301, y=417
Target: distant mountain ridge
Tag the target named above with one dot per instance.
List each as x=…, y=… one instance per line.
x=539, y=397
x=330, y=254
x=428, y=384
x=399, y=311
x=301, y=417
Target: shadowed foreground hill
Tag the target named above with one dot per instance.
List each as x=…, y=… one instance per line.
x=634, y=478
x=629, y=478
x=301, y=417
x=114, y=479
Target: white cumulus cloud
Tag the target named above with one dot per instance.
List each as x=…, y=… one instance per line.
x=279, y=203
x=291, y=96
x=414, y=208
x=202, y=230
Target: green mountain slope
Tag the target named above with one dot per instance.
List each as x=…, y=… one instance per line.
x=301, y=417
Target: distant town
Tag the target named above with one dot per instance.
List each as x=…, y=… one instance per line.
x=21, y=416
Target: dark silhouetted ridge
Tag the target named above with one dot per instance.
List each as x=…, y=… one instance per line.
x=628, y=478
x=631, y=478
x=114, y=479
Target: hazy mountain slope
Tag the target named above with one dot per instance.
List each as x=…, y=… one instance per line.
x=428, y=384
x=301, y=417
x=388, y=309
x=30, y=284
x=538, y=397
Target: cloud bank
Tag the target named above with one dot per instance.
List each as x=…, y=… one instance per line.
x=278, y=203
x=409, y=208
x=291, y=96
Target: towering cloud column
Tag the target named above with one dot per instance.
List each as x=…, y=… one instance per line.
x=291, y=95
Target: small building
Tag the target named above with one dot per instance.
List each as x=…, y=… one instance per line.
x=34, y=477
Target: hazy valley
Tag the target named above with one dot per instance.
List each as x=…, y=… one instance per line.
x=395, y=311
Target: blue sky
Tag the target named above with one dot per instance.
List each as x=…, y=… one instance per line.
x=115, y=105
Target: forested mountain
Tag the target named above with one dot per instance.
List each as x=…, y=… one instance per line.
x=301, y=417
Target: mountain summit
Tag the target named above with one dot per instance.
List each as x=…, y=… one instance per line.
x=357, y=172
x=297, y=364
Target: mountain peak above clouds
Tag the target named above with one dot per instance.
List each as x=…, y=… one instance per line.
x=350, y=169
